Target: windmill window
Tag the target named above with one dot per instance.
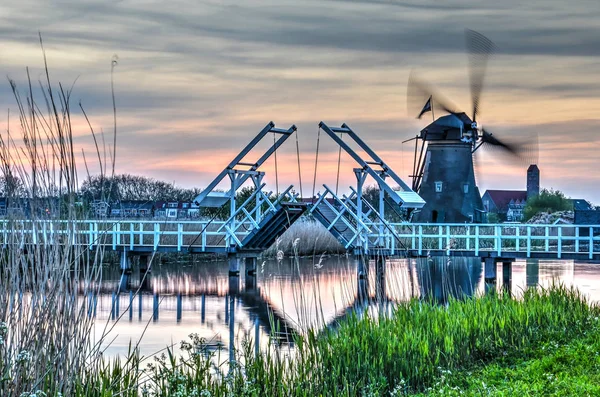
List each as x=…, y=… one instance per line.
x=466, y=188
x=438, y=187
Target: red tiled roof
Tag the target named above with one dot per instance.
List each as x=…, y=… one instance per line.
x=502, y=198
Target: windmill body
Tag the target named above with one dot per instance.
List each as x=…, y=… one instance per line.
x=447, y=179
x=443, y=170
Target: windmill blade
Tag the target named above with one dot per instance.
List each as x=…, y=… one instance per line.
x=479, y=48
x=418, y=92
x=477, y=168
x=524, y=147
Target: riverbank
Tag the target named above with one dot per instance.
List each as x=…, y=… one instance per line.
x=543, y=344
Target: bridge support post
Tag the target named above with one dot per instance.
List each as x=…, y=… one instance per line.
x=362, y=266
x=490, y=274
x=234, y=265
x=155, y=303
x=234, y=274
x=362, y=270
x=532, y=272
x=380, y=277
x=179, y=307
x=250, y=277
x=507, y=275
x=203, y=309
x=144, y=272
x=250, y=266
x=125, y=262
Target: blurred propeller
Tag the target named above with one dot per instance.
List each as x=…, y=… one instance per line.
x=418, y=92
x=523, y=148
x=480, y=48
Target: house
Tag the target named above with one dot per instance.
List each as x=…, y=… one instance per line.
x=166, y=209
x=587, y=217
x=507, y=204
x=99, y=209
x=176, y=210
x=132, y=209
x=3, y=204
x=581, y=205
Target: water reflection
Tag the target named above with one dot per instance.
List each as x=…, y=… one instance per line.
x=174, y=300
x=442, y=278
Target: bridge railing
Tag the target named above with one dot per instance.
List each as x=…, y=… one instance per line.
x=205, y=236
x=524, y=239
x=121, y=234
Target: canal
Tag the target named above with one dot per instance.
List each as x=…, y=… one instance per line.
x=177, y=299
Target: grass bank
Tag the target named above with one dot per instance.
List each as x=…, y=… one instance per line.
x=483, y=346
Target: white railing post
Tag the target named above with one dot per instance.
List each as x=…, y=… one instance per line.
x=576, y=239
x=118, y=233
x=420, y=239
x=141, y=239
x=156, y=235
x=440, y=234
x=204, y=227
x=131, y=236
x=498, y=240
x=547, y=247
x=529, y=241
x=114, y=235
x=477, y=240
x=447, y=240
x=413, y=242
x=90, y=237
x=468, y=243
x=179, y=236
x=591, y=237
x=518, y=242
x=559, y=241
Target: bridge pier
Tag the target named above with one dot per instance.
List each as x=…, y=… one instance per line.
x=179, y=307
x=362, y=265
x=507, y=275
x=234, y=274
x=532, y=272
x=250, y=277
x=490, y=274
x=203, y=309
x=125, y=262
x=380, y=277
x=145, y=268
x=234, y=265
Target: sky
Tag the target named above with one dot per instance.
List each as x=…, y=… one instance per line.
x=197, y=80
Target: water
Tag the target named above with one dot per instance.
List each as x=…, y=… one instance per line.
x=201, y=298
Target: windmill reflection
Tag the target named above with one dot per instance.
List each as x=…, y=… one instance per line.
x=441, y=278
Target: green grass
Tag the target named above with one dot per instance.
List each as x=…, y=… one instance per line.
x=543, y=344
x=570, y=369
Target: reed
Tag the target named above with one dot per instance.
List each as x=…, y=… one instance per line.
x=402, y=353
x=45, y=321
x=311, y=239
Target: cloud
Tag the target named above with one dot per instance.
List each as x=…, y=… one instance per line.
x=196, y=81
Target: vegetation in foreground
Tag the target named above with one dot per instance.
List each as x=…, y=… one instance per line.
x=543, y=344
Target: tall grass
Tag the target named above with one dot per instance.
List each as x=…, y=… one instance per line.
x=45, y=325
x=313, y=239
x=398, y=354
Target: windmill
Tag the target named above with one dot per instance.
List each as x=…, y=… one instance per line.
x=444, y=167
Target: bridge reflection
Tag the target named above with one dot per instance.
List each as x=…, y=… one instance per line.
x=280, y=300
